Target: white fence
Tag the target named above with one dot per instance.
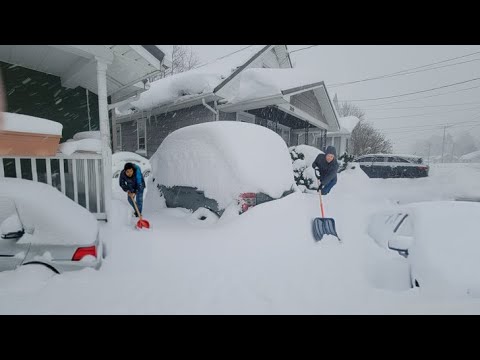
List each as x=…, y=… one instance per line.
x=79, y=176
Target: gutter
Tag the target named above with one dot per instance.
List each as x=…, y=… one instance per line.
x=216, y=112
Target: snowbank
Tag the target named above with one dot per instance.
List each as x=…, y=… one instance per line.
x=87, y=135
x=303, y=156
x=445, y=254
x=48, y=214
x=224, y=159
x=473, y=156
x=87, y=145
x=30, y=124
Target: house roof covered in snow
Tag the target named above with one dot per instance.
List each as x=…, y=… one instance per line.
x=242, y=81
x=347, y=124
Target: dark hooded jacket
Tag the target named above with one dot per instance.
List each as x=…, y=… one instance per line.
x=135, y=183
x=328, y=171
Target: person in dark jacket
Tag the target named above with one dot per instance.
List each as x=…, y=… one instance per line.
x=326, y=167
x=132, y=182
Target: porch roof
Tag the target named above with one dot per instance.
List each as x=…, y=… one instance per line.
x=76, y=64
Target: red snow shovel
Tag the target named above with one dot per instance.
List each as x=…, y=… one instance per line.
x=323, y=226
x=141, y=223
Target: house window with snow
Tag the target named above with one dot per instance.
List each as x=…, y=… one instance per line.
x=141, y=136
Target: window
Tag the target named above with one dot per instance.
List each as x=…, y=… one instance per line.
x=367, y=159
x=119, y=137
x=378, y=159
x=395, y=159
x=142, y=136
x=246, y=117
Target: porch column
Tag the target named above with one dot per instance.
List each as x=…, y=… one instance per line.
x=105, y=134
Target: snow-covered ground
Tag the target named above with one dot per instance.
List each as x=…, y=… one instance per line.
x=262, y=262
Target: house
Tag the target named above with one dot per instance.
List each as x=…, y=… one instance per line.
x=71, y=84
x=257, y=84
x=341, y=139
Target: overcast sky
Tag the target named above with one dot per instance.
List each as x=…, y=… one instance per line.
x=345, y=63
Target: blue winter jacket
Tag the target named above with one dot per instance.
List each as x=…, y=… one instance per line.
x=135, y=183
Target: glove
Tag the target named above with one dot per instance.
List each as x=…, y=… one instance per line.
x=317, y=173
x=320, y=186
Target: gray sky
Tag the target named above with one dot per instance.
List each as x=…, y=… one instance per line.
x=344, y=63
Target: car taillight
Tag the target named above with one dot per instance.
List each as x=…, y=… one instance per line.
x=80, y=253
x=247, y=200
x=423, y=167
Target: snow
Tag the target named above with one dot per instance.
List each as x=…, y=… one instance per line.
x=30, y=124
x=87, y=145
x=201, y=80
x=48, y=215
x=310, y=153
x=348, y=123
x=258, y=83
x=87, y=135
x=445, y=253
x=10, y=225
x=262, y=262
x=471, y=156
x=224, y=159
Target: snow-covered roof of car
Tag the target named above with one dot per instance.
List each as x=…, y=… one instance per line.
x=224, y=159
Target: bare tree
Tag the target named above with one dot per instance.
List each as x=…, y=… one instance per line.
x=368, y=140
x=365, y=138
x=183, y=59
x=348, y=109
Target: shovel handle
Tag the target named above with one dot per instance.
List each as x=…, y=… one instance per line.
x=321, y=202
x=135, y=203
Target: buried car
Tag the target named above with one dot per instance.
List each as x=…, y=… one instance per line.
x=221, y=164
x=41, y=226
x=440, y=242
x=119, y=159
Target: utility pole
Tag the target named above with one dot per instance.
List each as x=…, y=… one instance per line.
x=443, y=142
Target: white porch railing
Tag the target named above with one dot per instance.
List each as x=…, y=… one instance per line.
x=78, y=176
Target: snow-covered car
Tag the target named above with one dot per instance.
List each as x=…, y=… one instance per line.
x=41, y=226
x=439, y=240
x=119, y=159
x=221, y=164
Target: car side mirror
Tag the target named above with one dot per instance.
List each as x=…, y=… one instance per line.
x=400, y=243
x=13, y=235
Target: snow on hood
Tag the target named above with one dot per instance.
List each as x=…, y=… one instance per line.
x=48, y=214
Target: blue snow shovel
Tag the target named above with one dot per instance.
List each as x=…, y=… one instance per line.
x=323, y=226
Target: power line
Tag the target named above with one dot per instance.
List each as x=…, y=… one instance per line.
x=409, y=71
x=222, y=57
x=421, y=107
x=426, y=125
x=305, y=48
x=425, y=97
x=424, y=114
x=417, y=92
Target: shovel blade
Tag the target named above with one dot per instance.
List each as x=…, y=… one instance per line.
x=324, y=226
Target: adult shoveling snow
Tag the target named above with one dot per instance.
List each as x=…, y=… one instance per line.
x=326, y=167
x=132, y=182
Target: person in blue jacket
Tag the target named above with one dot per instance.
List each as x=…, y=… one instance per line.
x=132, y=182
